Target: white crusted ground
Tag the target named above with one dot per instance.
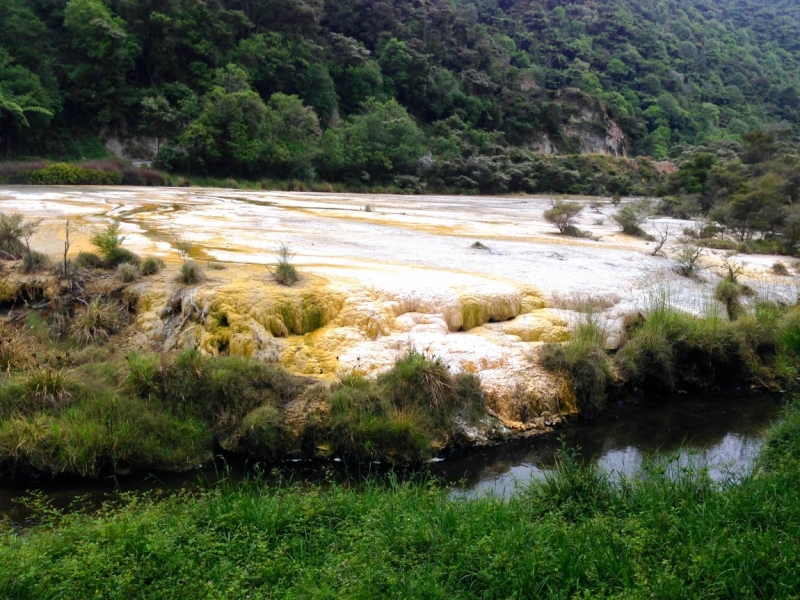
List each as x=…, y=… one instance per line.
x=400, y=274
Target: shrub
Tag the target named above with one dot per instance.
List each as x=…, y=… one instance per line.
x=780, y=269
x=717, y=244
x=152, y=265
x=585, y=360
x=689, y=260
x=14, y=233
x=632, y=216
x=152, y=177
x=88, y=260
x=65, y=174
x=96, y=322
x=109, y=242
x=480, y=246
x=128, y=272
x=33, y=261
x=285, y=272
x=191, y=273
x=563, y=214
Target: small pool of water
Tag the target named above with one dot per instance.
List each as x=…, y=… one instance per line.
x=721, y=433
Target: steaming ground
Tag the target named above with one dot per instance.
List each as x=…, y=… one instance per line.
x=381, y=274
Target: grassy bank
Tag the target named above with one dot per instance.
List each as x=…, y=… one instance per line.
x=665, y=349
x=576, y=535
x=73, y=410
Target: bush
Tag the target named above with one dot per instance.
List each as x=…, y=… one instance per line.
x=109, y=242
x=128, y=272
x=632, y=216
x=191, y=273
x=88, y=260
x=65, y=174
x=780, y=269
x=34, y=261
x=563, y=214
x=152, y=265
x=717, y=244
x=689, y=260
x=285, y=272
x=96, y=322
x=14, y=233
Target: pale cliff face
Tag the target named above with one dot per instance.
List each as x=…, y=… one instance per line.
x=375, y=283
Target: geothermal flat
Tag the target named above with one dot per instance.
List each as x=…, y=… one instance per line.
x=381, y=274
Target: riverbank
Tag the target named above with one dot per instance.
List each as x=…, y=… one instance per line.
x=669, y=532
x=150, y=364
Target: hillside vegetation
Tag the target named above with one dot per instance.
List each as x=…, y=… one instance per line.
x=458, y=95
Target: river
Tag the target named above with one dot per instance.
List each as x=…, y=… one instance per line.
x=722, y=433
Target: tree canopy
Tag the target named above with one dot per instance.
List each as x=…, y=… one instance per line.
x=459, y=80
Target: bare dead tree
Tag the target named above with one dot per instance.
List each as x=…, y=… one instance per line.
x=662, y=238
x=66, y=249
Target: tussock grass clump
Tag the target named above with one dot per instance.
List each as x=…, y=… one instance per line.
x=47, y=386
x=585, y=360
x=97, y=322
x=221, y=390
x=128, y=273
x=152, y=265
x=191, y=273
x=729, y=292
x=15, y=351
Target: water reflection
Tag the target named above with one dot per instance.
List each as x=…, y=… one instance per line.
x=721, y=433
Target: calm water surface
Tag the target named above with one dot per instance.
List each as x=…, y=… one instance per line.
x=722, y=433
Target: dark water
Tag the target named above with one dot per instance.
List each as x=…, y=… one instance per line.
x=722, y=433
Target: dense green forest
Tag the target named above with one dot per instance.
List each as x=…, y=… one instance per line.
x=457, y=94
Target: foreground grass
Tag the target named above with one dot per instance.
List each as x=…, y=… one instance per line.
x=575, y=535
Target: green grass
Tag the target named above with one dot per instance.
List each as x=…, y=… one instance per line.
x=585, y=360
x=85, y=411
x=666, y=534
x=666, y=350
x=406, y=414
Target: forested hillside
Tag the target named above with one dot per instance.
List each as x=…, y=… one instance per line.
x=463, y=94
